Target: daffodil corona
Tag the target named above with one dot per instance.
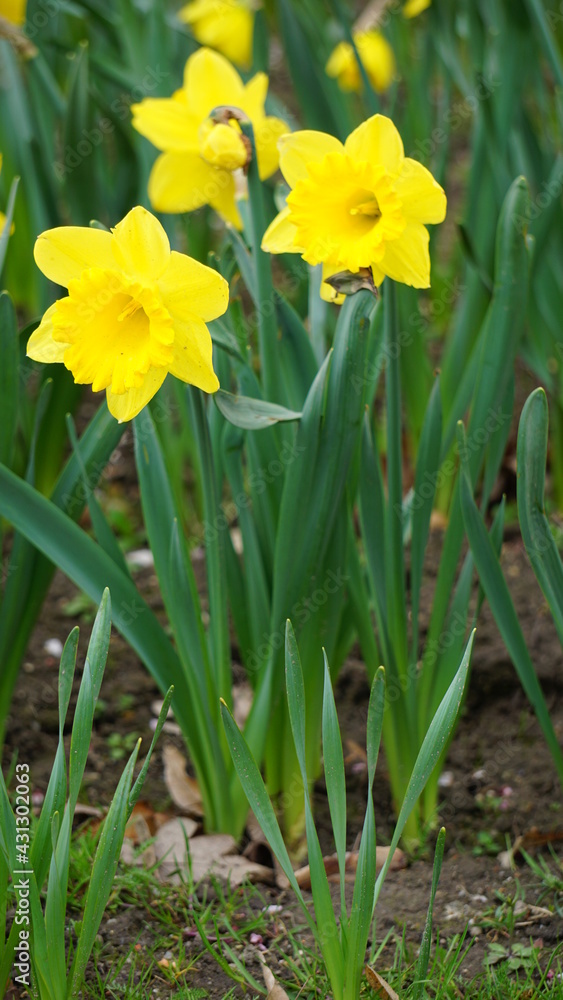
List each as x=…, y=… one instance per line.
x=225, y=25
x=357, y=205
x=377, y=58
x=135, y=311
x=201, y=157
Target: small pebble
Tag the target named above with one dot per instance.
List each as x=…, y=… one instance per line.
x=53, y=647
x=446, y=779
x=141, y=558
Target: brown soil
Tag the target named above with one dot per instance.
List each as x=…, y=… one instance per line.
x=501, y=779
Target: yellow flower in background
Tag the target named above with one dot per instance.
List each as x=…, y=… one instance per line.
x=358, y=205
x=135, y=311
x=376, y=55
x=2, y=216
x=199, y=157
x=414, y=7
x=13, y=11
x=226, y=25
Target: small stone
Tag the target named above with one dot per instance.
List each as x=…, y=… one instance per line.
x=446, y=779
x=53, y=647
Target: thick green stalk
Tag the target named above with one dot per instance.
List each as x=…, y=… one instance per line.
x=399, y=731
x=214, y=555
x=266, y=306
x=394, y=534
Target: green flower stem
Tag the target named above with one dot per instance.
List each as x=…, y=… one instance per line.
x=395, y=559
x=214, y=556
x=400, y=729
x=266, y=309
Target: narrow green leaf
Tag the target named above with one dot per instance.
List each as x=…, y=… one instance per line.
x=424, y=956
x=87, y=697
x=5, y=232
x=376, y=709
x=296, y=699
x=103, y=872
x=538, y=539
x=9, y=378
x=104, y=534
x=335, y=778
x=249, y=413
x=259, y=800
x=437, y=736
x=498, y=596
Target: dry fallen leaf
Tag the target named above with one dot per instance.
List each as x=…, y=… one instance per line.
x=303, y=875
x=170, y=844
x=378, y=984
x=275, y=991
x=183, y=789
x=213, y=853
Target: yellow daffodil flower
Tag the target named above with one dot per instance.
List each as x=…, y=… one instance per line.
x=376, y=55
x=13, y=11
x=225, y=25
x=358, y=205
x=135, y=310
x=200, y=157
x=413, y=8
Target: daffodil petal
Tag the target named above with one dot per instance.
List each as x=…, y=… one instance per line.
x=41, y=346
x=13, y=11
x=297, y=149
x=193, y=355
x=140, y=245
x=126, y=405
x=422, y=197
x=209, y=77
x=377, y=275
x=255, y=92
x=222, y=198
x=181, y=182
x=167, y=122
x=266, y=136
x=188, y=287
x=64, y=253
x=378, y=142
x=407, y=259
x=280, y=235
